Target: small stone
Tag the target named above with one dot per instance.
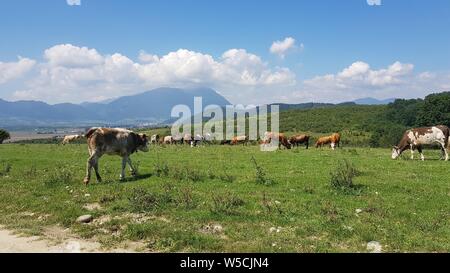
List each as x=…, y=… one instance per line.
x=374, y=247
x=358, y=211
x=85, y=219
x=272, y=230
x=217, y=228
x=87, y=195
x=277, y=202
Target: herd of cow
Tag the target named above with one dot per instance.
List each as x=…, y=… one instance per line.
x=294, y=141
x=122, y=142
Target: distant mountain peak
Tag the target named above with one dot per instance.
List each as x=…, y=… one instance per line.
x=373, y=101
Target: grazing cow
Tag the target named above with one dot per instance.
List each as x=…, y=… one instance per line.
x=177, y=139
x=323, y=141
x=71, y=138
x=300, y=139
x=282, y=139
x=333, y=140
x=225, y=141
x=239, y=139
x=196, y=140
x=168, y=140
x=417, y=137
x=154, y=139
x=188, y=138
x=113, y=142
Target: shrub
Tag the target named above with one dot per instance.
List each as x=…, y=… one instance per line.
x=342, y=177
x=261, y=177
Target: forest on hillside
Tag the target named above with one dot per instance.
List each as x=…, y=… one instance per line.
x=365, y=125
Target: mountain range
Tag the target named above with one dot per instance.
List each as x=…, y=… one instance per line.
x=151, y=107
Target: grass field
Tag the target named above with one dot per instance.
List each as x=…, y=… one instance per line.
x=215, y=199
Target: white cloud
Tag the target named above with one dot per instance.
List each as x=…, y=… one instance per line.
x=13, y=70
x=72, y=73
x=360, y=80
x=374, y=2
x=73, y=2
x=72, y=56
x=281, y=48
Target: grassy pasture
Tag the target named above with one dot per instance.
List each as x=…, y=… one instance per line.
x=215, y=198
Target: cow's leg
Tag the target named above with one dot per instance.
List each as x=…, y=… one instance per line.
x=97, y=174
x=412, y=151
x=91, y=162
x=132, y=169
x=422, y=157
x=124, y=164
x=444, y=151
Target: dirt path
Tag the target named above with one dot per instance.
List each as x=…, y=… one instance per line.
x=60, y=242
x=11, y=243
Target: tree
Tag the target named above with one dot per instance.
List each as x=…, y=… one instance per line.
x=4, y=135
x=435, y=110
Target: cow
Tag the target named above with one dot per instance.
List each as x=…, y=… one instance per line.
x=196, y=140
x=300, y=139
x=113, y=141
x=177, y=139
x=417, y=137
x=239, y=139
x=282, y=139
x=334, y=141
x=154, y=139
x=168, y=140
x=71, y=138
x=187, y=138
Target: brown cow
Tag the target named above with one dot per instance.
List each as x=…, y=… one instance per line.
x=113, y=142
x=300, y=139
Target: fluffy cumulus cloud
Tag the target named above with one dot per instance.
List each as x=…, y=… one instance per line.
x=13, y=70
x=69, y=73
x=360, y=80
x=281, y=48
x=73, y=73
x=374, y=2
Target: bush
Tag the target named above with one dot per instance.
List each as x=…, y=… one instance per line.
x=261, y=177
x=342, y=177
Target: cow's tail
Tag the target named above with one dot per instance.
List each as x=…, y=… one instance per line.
x=90, y=132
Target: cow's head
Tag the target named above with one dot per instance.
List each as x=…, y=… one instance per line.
x=142, y=144
x=395, y=152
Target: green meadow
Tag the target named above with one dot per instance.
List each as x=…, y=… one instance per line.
x=232, y=198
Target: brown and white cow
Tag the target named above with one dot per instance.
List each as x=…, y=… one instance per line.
x=154, y=139
x=168, y=140
x=300, y=139
x=111, y=141
x=71, y=138
x=334, y=141
x=417, y=137
x=282, y=139
x=239, y=140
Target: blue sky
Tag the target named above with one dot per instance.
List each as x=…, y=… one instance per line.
x=329, y=36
